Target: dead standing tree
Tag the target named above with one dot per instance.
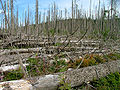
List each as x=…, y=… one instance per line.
x=69, y=38
x=36, y=18
x=8, y=15
x=12, y=33
x=12, y=17
x=5, y=17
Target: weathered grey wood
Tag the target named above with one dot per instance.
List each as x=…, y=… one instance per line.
x=77, y=77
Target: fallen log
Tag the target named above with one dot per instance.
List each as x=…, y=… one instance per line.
x=11, y=67
x=75, y=77
x=13, y=51
x=16, y=85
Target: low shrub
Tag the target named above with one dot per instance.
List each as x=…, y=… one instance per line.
x=63, y=84
x=110, y=82
x=41, y=67
x=95, y=59
x=13, y=75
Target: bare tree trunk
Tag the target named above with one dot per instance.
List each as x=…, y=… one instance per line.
x=55, y=18
x=25, y=23
x=39, y=23
x=17, y=22
x=90, y=8
x=111, y=24
x=3, y=25
x=72, y=17
x=66, y=25
x=12, y=17
x=4, y=11
x=36, y=16
x=8, y=16
x=99, y=10
x=43, y=23
x=28, y=22
x=5, y=17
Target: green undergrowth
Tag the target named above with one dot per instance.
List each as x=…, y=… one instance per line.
x=39, y=66
x=94, y=59
x=58, y=44
x=110, y=82
x=63, y=85
x=13, y=75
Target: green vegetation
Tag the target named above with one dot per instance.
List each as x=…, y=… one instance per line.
x=64, y=85
x=112, y=56
x=39, y=66
x=110, y=82
x=94, y=59
x=13, y=75
x=58, y=44
x=52, y=32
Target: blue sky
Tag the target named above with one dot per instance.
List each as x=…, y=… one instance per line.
x=44, y=4
x=22, y=5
